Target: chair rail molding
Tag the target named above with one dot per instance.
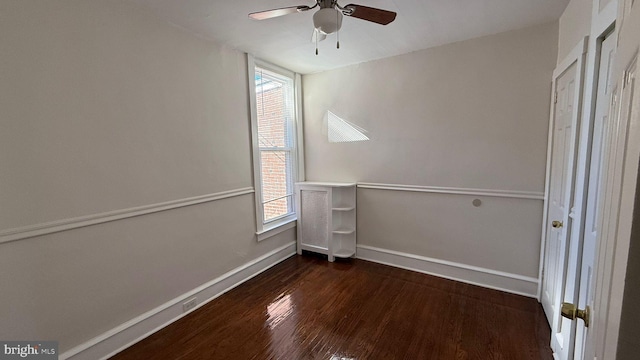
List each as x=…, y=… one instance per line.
x=531, y=195
x=93, y=219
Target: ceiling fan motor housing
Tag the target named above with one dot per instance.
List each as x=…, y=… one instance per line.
x=327, y=20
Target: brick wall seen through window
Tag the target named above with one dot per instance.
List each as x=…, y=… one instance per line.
x=274, y=105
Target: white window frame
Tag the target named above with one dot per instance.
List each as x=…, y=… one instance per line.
x=270, y=228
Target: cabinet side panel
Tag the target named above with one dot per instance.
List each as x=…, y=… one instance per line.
x=314, y=210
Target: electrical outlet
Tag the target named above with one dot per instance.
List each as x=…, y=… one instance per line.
x=189, y=305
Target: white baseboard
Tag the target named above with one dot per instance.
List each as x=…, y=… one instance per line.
x=134, y=330
x=492, y=279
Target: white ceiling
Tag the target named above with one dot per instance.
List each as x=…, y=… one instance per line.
x=286, y=41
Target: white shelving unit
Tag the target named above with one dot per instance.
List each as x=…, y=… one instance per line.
x=327, y=218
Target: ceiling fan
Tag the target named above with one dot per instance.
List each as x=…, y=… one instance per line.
x=328, y=19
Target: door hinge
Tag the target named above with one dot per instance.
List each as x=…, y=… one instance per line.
x=624, y=78
x=555, y=97
x=627, y=77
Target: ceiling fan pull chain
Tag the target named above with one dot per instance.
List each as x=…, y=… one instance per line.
x=338, y=31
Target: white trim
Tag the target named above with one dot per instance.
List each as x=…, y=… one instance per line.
x=134, y=330
x=299, y=127
x=255, y=152
x=488, y=278
x=267, y=233
x=93, y=219
x=534, y=195
x=326, y=183
x=603, y=20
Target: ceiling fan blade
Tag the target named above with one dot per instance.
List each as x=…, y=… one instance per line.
x=379, y=16
x=317, y=35
x=268, y=14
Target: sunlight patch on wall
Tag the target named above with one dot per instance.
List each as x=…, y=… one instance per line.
x=340, y=130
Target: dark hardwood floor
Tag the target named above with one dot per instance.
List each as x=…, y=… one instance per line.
x=308, y=308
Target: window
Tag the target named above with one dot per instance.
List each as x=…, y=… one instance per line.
x=274, y=113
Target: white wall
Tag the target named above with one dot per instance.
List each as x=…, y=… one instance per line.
x=472, y=114
x=603, y=3
x=106, y=108
x=575, y=24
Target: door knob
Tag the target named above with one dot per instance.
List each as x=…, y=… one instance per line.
x=572, y=312
x=556, y=224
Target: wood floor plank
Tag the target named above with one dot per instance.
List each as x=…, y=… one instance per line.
x=308, y=308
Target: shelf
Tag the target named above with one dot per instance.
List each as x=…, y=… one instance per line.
x=326, y=206
x=344, y=231
x=344, y=253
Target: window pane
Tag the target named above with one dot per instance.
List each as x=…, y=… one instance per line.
x=276, y=167
x=277, y=208
x=274, y=107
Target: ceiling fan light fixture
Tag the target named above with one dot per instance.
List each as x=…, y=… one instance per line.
x=327, y=20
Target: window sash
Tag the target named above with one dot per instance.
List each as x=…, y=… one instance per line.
x=277, y=198
x=289, y=168
x=290, y=210
x=283, y=149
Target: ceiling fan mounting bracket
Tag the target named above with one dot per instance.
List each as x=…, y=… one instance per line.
x=333, y=4
x=326, y=3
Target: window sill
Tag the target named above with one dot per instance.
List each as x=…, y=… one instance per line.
x=275, y=229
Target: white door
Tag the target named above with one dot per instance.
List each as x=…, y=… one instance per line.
x=594, y=192
x=560, y=192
